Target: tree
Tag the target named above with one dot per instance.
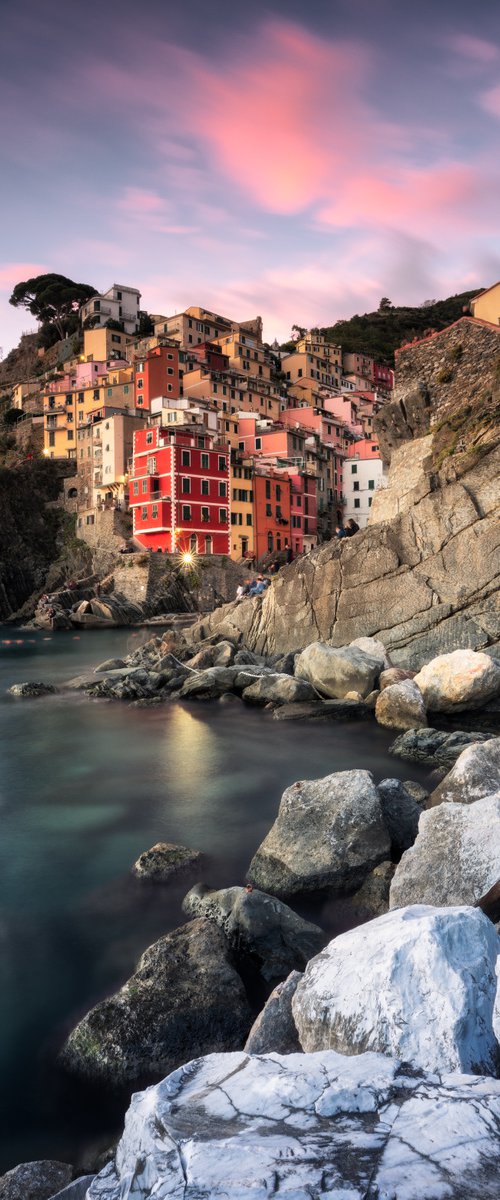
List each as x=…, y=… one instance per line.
x=385, y=304
x=53, y=299
x=146, y=325
x=298, y=332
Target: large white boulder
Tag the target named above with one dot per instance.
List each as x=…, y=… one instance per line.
x=336, y=670
x=401, y=706
x=475, y=774
x=328, y=833
x=455, y=858
x=418, y=983
x=233, y=1127
x=460, y=680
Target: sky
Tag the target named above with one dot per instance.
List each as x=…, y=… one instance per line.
x=295, y=160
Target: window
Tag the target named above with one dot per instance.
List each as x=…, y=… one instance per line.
x=186, y=486
x=125, y=389
x=223, y=515
x=170, y=370
x=186, y=458
x=234, y=518
x=268, y=489
x=270, y=541
x=371, y=485
x=258, y=443
x=144, y=485
x=357, y=503
x=269, y=511
x=154, y=512
x=52, y=439
x=278, y=492
x=70, y=435
x=96, y=394
x=136, y=487
x=144, y=513
x=355, y=487
x=205, y=515
x=110, y=391
x=249, y=518
x=370, y=501
x=115, y=337
x=374, y=449
x=151, y=468
x=149, y=439
x=354, y=469
x=139, y=383
x=222, y=462
x=186, y=512
x=205, y=487
x=140, y=401
x=222, y=489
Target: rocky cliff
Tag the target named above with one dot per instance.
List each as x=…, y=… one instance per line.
x=424, y=576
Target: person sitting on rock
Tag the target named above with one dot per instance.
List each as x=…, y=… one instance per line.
x=341, y=532
x=351, y=527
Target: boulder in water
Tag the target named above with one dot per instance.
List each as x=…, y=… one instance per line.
x=460, y=680
x=336, y=671
x=34, y=688
x=401, y=706
x=35, y=1180
x=163, y=861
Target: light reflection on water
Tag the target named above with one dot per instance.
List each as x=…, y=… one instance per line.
x=85, y=787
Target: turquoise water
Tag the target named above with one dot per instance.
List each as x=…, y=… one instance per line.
x=85, y=787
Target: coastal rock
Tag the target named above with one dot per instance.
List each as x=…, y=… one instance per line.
x=164, y=860
x=401, y=706
x=374, y=649
x=401, y=813
x=278, y=689
x=329, y=833
x=259, y=925
x=185, y=997
x=78, y=1190
x=418, y=983
x=111, y=664
x=234, y=1125
x=475, y=774
x=32, y=689
x=373, y=897
x=274, y=1030
x=35, y=1180
x=394, y=675
x=456, y=856
x=334, y=672
x=326, y=710
x=460, y=680
x=224, y=654
x=434, y=746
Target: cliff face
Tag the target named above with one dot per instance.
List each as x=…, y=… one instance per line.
x=424, y=576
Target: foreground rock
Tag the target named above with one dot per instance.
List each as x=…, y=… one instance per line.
x=335, y=672
x=401, y=813
x=329, y=833
x=475, y=774
x=259, y=925
x=229, y=1126
x=184, y=997
x=434, y=746
x=164, y=860
x=274, y=1029
x=35, y=1180
x=418, y=983
x=35, y=688
x=279, y=689
x=460, y=680
x=455, y=859
x=401, y=706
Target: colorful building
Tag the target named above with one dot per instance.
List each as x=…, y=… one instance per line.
x=363, y=474
x=272, y=508
x=486, y=306
x=180, y=491
x=242, y=509
x=119, y=303
x=158, y=373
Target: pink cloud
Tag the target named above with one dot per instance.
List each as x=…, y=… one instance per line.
x=490, y=101
x=139, y=200
x=476, y=49
x=15, y=272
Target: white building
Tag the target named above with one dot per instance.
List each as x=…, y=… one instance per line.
x=118, y=304
x=362, y=477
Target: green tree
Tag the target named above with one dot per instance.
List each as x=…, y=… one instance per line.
x=385, y=304
x=53, y=299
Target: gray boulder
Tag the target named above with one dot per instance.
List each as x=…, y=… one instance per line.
x=232, y=1126
x=35, y=688
x=278, y=689
x=329, y=833
x=184, y=998
x=336, y=671
x=35, y=1180
x=375, y=649
x=401, y=706
x=259, y=925
x=401, y=812
x=372, y=900
x=164, y=860
x=394, y=675
x=274, y=1030
x=460, y=680
x=434, y=745
x=456, y=856
x=475, y=774
x=206, y=685
x=418, y=983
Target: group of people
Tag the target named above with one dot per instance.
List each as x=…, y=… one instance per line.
x=347, y=530
x=252, y=587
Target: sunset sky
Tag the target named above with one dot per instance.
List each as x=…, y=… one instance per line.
x=294, y=160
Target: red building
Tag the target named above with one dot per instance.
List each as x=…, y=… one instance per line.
x=158, y=374
x=383, y=377
x=210, y=355
x=179, y=491
x=303, y=512
x=271, y=490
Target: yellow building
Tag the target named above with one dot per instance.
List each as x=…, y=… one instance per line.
x=233, y=393
x=22, y=392
x=486, y=306
x=245, y=355
x=197, y=325
x=100, y=345
x=314, y=363
x=242, y=510
x=64, y=411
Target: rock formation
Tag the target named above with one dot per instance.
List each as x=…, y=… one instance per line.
x=455, y=858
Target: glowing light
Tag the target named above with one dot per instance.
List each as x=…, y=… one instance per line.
x=45, y=452
x=187, y=558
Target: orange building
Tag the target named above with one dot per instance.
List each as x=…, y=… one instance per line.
x=272, y=505
x=158, y=374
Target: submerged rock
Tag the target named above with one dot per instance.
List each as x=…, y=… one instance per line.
x=184, y=997
x=258, y=924
x=418, y=983
x=35, y=1180
x=307, y=1125
x=164, y=859
x=460, y=680
x=456, y=857
x=329, y=833
x=475, y=774
x=32, y=689
x=434, y=746
x=336, y=671
x=274, y=1029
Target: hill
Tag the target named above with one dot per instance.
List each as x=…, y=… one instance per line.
x=380, y=333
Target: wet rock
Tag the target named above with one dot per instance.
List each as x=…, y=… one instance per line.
x=329, y=833
x=401, y=813
x=111, y=664
x=274, y=1030
x=35, y=1180
x=401, y=706
x=373, y=897
x=418, y=983
x=455, y=858
x=327, y=710
x=185, y=997
x=307, y=1126
x=336, y=671
x=258, y=924
x=33, y=689
x=434, y=745
x=164, y=859
x=475, y=774
x=460, y=680
x=278, y=689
